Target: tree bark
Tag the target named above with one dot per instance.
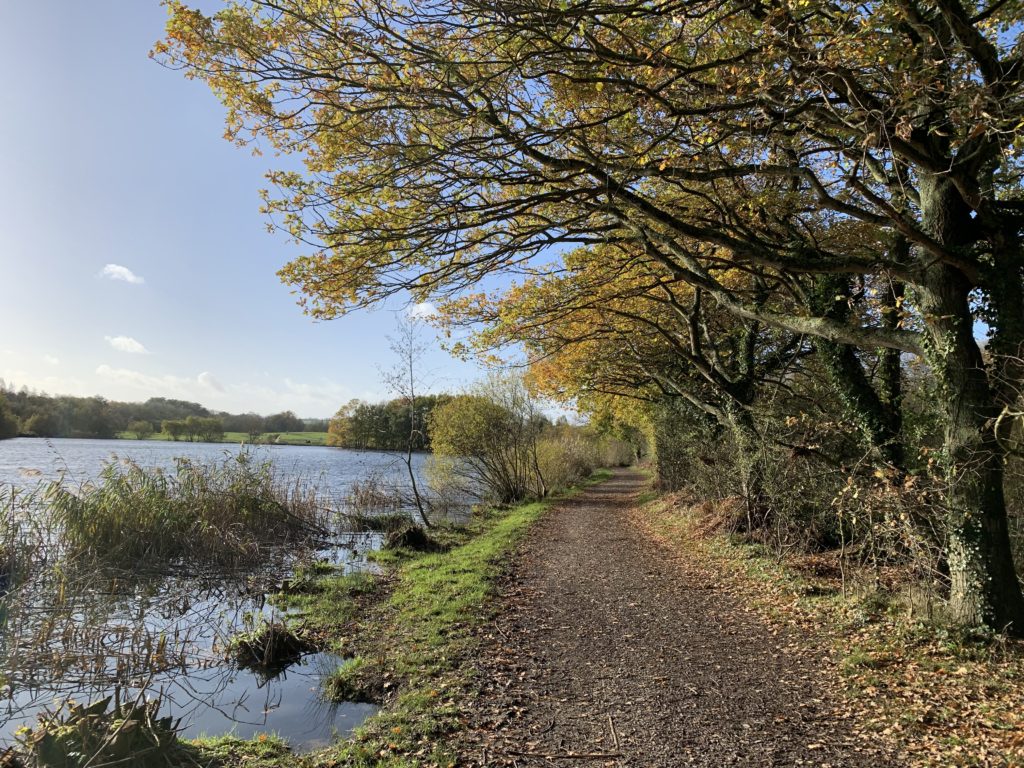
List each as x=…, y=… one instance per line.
x=984, y=585
x=890, y=384
x=750, y=463
x=877, y=419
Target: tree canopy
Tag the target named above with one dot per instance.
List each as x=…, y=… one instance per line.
x=780, y=176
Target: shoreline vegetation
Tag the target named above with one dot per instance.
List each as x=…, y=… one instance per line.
x=400, y=632
x=409, y=635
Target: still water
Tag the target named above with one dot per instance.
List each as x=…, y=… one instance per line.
x=25, y=461
x=107, y=630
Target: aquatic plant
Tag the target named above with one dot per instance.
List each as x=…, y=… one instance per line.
x=22, y=537
x=267, y=646
x=224, y=512
x=412, y=536
x=76, y=736
x=373, y=497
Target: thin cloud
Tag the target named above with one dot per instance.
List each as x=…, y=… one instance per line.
x=422, y=310
x=126, y=344
x=207, y=379
x=51, y=360
x=118, y=272
x=155, y=385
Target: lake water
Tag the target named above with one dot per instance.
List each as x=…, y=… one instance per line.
x=25, y=461
x=101, y=629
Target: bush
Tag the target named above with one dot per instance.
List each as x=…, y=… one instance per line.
x=141, y=429
x=494, y=444
x=565, y=457
x=496, y=441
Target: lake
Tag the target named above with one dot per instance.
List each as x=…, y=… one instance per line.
x=24, y=461
x=107, y=627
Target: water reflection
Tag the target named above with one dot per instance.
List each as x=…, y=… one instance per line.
x=72, y=630
x=83, y=634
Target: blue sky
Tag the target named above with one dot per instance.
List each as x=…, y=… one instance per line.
x=106, y=158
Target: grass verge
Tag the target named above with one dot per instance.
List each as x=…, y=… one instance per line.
x=419, y=639
x=408, y=633
x=941, y=696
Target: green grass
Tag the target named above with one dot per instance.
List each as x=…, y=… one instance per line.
x=328, y=607
x=427, y=623
x=265, y=751
x=283, y=438
x=408, y=634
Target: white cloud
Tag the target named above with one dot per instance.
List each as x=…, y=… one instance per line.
x=126, y=344
x=117, y=272
x=51, y=360
x=54, y=385
x=157, y=385
x=422, y=310
x=320, y=398
x=207, y=379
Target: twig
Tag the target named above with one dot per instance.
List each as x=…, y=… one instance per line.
x=615, y=736
x=500, y=632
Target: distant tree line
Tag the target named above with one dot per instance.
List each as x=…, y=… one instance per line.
x=209, y=429
x=35, y=414
x=384, y=426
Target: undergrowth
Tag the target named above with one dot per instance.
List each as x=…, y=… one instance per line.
x=943, y=696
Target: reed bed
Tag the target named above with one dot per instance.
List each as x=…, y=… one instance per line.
x=24, y=537
x=227, y=512
x=375, y=505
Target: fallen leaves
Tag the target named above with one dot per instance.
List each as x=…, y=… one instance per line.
x=942, y=700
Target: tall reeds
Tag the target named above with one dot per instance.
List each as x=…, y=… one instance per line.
x=225, y=512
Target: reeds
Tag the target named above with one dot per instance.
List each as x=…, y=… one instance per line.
x=225, y=512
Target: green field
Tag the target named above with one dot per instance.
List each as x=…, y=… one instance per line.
x=277, y=438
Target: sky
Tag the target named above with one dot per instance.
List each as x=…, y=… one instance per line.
x=134, y=261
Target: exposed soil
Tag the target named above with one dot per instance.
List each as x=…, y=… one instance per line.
x=612, y=650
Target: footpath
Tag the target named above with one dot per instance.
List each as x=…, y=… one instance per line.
x=611, y=649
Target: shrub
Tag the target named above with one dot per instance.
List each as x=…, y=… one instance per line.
x=492, y=434
x=565, y=457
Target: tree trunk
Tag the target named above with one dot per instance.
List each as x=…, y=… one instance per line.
x=750, y=463
x=890, y=375
x=878, y=421
x=984, y=589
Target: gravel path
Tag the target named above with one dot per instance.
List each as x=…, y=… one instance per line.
x=612, y=650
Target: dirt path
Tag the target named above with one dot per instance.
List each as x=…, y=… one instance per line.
x=612, y=649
